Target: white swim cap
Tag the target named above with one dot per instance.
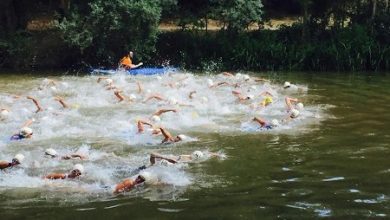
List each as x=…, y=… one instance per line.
x=246, y=77
x=197, y=155
x=251, y=96
x=238, y=75
x=182, y=137
x=25, y=131
x=108, y=81
x=133, y=96
x=4, y=112
x=19, y=158
x=148, y=91
x=253, y=87
x=53, y=88
x=275, y=123
x=79, y=167
x=51, y=152
x=294, y=113
x=150, y=178
x=156, y=118
x=210, y=82
x=287, y=84
x=159, y=78
x=205, y=99
x=300, y=106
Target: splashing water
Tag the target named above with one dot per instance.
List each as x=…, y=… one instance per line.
x=105, y=130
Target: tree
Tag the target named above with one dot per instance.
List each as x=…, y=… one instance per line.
x=105, y=30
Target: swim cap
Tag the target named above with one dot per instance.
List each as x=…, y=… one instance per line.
x=294, y=113
x=159, y=78
x=210, y=82
x=19, y=158
x=182, y=137
x=275, y=123
x=79, y=167
x=25, y=131
x=197, y=155
x=238, y=75
x=300, y=106
x=287, y=84
x=148, y=91
x=268, y=100
x=205, y=99
x=51, y=152
x=150, y=178
x=53, y=88
x=156, y=118
x=4, y=112
x=108, y=81
x=253, y=87
x=246, y=77
x=133, y=96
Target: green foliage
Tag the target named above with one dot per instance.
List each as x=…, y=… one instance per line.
x=239, y=14
x=108, y=29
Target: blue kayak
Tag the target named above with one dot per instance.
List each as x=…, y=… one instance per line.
x=139, y=71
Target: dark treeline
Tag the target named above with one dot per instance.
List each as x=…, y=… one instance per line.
x=329, y=35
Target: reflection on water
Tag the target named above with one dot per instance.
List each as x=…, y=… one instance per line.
x=330, y=162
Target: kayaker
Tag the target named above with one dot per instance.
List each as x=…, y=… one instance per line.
x=127, y=63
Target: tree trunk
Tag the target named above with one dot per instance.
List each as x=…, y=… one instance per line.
x=374, y=3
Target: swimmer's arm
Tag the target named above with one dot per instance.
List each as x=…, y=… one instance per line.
x=52, y=82
x=289, y=101
x=101, y=78
x=132, y=66
x=4, y=164
x=236, y=93
x=266, y=93
x=158, y=97
x=61, y=101
x=75, y=155
x=227, y=74
x=140, y=89
x=162, y=111
x=153, y=157
x=118, y=94
x=28, y=123
x=54, y=176
x=258, y=79
x=260, y=121
x=191, y=94
x=39, y=108
x=125, y=185
x=167, y=135
x=140, y=125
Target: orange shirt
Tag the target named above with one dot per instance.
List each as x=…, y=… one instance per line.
x=126, y=61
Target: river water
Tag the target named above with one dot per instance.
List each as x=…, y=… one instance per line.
x=332, y=161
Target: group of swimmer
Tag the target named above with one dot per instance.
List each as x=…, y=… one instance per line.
x=149, y=126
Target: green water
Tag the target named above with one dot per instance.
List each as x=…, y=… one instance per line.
x=338, y=169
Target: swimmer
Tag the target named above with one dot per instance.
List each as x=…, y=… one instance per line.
x=39, y=107
x=141, y=129
x=219, y=84
x=162, y=111
x=192, y=95
x=227, y=74
x=140, y=88
x=185, y=158
x=168, y=138
x=264, y=124
x=128, y=184
x=18, y=159
x=155, y=96
x=61, y=101
x=118, y=94
x=259, y=79
x=4, y=112
x=24, y=133
x=77, y=170
x=290, y=103
x=53, y=154
x=240, y=97
x=267, y=100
